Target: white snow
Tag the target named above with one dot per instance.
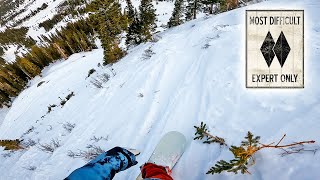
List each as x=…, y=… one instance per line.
x=182, y=84
x=9, y=54
x=3, y=112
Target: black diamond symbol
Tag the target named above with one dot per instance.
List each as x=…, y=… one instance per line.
x=266, y=49
x=282, y=49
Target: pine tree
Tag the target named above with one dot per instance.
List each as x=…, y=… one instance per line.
x=60, y=51
x=1, y=51
x=110, y=24
x=177, y=14
x=4, y=98
x=211, y=3
x=30, y=68
x=148, y=19
x=134, y=35
x=192, y=8
x=130, y=11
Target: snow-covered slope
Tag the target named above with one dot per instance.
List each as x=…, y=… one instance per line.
x=182, y=84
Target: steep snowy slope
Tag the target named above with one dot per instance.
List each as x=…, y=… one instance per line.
x=195, y=74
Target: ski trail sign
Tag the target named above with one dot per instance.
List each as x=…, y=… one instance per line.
x=275, y=49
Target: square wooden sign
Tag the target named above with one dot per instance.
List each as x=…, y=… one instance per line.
x=275, y=49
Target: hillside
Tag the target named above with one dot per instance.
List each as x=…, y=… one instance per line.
x=20, y=16
x=194, y=72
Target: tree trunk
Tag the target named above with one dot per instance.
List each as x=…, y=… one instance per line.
x=60, y=51
x=195, y=9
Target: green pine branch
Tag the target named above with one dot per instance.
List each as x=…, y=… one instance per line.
x=242, y=155
x=203, y=133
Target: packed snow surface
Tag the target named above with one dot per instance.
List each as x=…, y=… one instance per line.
x=196, y=73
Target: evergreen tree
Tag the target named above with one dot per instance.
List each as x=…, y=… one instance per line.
x=110, y=24
x=130, y=11
x=192, y=8
x=177, y=14
x=148, y=19
x=210, y=4
x=134, y=35
x=1, y=51
x=4, y=98
x=28, y=67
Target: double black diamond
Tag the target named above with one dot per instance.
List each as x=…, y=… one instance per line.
x=281, y=49
x=267, y=50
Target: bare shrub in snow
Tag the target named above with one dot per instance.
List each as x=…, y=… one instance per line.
x=156, y=38
x=112, y=71
x=206, y=46
x=68, y=126
x=96, y=83
x=63, y=102
x=50, y=128
x=148, y=54
x=89, y=154
x=50, y=108
x=104, y=77
x=30, y=168
x=67, y=98
x=8, y=154
x=91, y=71
x=100, y=80
x=28, y=143
x=97, y=139
x=30, y=130
x=49, y=148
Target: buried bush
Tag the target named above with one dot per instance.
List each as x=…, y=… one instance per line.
x=91, y=71
x=102, y=79
x=244, y=153
x=67, y=98
x=89, y=154
x=68, y=126
x=50, y=148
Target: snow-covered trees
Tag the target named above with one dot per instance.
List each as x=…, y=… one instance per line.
x=142, y=24
x=192, y=8
x=73, y=38
x=17, y=36
x=148, y=19
x=130, y=12
x=210, y=4
x=109, y=22
x=177, y=14
x=134, y=35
